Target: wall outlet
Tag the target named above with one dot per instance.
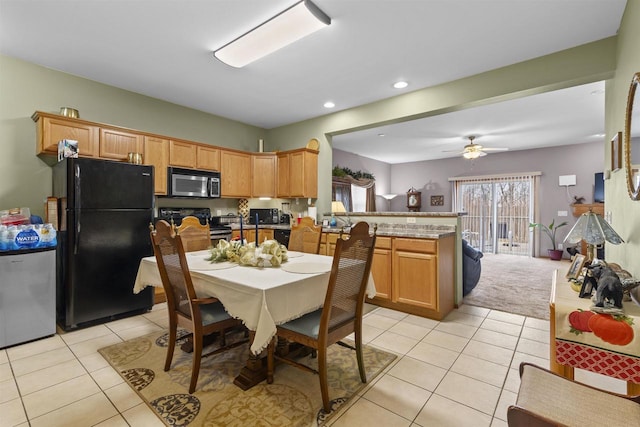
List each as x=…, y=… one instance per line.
x=218, y=212
x=411, y=220
x=560, y=246
x=562, y=213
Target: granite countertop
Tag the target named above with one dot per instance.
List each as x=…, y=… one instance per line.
x=417, y=231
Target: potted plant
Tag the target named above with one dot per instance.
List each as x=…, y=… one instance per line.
x=550, y=230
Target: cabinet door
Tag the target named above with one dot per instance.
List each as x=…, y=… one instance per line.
x=207, y=158
x=116, y=144
x=303, y=174
x=415, y=278
x=156, y=153
x=266, y=234
x=381, y=268
x=235, y=174
x=182, y=154
x=53, y=130
x=284, y=186
x=263, y=183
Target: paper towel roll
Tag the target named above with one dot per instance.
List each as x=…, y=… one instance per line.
x=313, y=213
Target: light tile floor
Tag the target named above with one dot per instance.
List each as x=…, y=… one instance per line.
x=461, y=371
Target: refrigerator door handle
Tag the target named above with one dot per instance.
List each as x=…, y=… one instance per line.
x=77, y=209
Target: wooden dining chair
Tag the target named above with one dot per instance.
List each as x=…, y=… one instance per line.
x=195, y=236
x=199, y=316
x=548, y=399
x=341, y=313
x=305, y=236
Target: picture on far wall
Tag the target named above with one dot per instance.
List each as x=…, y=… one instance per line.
x=437, y=200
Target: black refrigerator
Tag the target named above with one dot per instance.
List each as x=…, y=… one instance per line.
x=106, y=210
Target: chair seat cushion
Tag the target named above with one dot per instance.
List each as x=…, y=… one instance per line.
x=308, y=325
x=569, y=403
x=213, y=313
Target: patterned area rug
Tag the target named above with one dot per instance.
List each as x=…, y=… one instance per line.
x=516, y=284
x=293, y=399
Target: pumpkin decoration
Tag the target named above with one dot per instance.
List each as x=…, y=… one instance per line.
x=614, y=330
x=579, y=321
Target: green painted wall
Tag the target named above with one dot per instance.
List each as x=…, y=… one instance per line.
x=625, y=213
x=25, y=180
x=580, y=65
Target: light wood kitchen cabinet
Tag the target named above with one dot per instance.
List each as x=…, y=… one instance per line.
x=208, y=158
x=51, y=129
x=182, y=154
x=298, y=173
x=117, y=144
x=381, y=267
x=235, y=173
x=263, y=183
x=250, y=234
x=283, y=183
x=415, y=275
x=156, y=153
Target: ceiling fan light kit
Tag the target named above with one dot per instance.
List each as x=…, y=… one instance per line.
x=290, y=25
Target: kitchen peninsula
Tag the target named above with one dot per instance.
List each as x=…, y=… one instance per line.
x=417, y=263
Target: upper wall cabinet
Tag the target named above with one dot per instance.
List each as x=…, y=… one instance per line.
x=263, y=183
x=52, y=128
x=117, y=144
x=235, y=174
x=156, y=153
x=298, y=173
x=208, y=157
x=182, y=154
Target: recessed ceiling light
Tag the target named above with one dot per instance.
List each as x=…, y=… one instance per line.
x=381, y=134
x=599, y=135
x=329, y=104
x=400, y=85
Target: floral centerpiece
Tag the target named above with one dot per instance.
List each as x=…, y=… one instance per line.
x=269, y=253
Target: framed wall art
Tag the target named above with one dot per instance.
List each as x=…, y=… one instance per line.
x=437, y=200
x=616, y=152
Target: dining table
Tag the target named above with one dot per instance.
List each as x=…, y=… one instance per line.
x=261, y=297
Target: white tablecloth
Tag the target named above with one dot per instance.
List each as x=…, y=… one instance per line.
x=262, y=298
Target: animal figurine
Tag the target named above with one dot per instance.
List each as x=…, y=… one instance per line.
x=578, y=200
x=609, y=286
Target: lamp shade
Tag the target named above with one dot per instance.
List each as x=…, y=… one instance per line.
x=337, y=207
x=593, y=229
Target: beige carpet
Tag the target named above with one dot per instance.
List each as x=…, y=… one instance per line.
x=293, y=399
x=516, y=284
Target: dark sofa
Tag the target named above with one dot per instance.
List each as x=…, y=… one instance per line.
x=471, y=267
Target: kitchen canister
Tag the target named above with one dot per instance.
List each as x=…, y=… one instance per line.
x=135, y=158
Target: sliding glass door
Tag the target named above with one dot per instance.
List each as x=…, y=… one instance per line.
x=498, y=212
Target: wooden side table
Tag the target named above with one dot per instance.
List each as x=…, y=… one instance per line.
x=564, y=298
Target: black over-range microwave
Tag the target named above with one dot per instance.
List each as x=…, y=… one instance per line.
x=193, y=183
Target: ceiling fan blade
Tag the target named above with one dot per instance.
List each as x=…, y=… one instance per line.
x=495, y=149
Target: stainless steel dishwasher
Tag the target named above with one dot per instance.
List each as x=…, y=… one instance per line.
x=27, y=295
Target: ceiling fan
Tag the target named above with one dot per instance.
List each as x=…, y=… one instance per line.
x=473, y=150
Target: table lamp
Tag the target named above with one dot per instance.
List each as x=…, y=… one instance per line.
x=336, y=206
x=594, y=230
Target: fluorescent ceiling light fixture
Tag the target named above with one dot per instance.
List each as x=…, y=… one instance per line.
x=296, y=22
x=329, y=104
x=400, y=85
